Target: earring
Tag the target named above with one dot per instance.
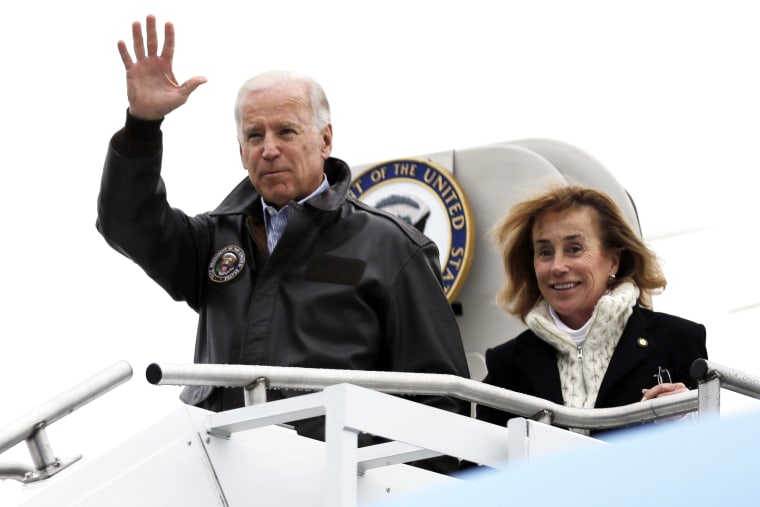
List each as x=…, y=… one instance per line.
x=610, y=279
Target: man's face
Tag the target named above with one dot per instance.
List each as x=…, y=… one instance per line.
x=280, y=149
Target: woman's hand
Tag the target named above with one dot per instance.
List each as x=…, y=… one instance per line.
x=660, y=390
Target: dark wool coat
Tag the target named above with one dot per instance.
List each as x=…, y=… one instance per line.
x=528, y=365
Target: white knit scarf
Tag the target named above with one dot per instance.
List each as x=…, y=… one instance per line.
x=581, y=378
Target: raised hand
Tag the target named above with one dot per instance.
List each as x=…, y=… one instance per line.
x=152, y=90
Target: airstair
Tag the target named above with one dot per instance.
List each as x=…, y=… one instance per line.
x=250, y=456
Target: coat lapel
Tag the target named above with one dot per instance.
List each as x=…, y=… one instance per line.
x=538, y=363
x=635, y=346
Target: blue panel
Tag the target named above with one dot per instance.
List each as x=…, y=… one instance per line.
x=678, y=463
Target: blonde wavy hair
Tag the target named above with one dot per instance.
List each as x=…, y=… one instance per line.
x=513, y=234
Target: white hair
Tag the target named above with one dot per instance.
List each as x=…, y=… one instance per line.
x=319, y=105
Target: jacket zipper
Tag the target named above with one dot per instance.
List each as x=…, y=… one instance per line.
x=580, y=353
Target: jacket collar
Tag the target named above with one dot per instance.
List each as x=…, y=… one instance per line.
x=244, y=199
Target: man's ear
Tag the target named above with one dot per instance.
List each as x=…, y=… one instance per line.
x=240, y=149
x=326, y=138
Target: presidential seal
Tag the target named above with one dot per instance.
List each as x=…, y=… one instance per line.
x=226, y=264
x=427, y=197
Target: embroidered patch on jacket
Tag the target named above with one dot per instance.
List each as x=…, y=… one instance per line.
x=333, y=269
x=226, y=264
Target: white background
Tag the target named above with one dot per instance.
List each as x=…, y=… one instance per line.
x=663, y=93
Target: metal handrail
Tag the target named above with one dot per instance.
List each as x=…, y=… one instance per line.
x=31, y=427
x=712, y=377
x=310, y=379
x=734, y=380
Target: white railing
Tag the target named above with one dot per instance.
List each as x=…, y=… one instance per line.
x=713, y=376
x=31, y=427
x=256, y=379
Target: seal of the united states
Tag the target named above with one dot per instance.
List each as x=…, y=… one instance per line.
x=428, y=197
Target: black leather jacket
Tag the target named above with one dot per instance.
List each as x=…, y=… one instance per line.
x=346, y=287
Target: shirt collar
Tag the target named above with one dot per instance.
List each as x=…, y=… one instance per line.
x=271, y=210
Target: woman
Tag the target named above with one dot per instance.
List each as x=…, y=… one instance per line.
x=582, y=281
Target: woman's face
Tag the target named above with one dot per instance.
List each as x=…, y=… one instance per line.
x=572, y=267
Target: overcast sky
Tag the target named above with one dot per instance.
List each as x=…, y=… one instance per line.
x=663, y=93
